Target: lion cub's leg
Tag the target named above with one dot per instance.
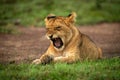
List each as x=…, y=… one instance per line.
x=100, y=53
x=44, y=59
x=67, y=59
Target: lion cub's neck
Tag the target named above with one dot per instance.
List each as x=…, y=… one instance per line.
x=74, y=39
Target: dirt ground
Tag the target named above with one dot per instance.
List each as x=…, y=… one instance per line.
x=32, y=42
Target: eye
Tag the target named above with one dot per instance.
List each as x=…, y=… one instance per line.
x=47, y=29
x=58, y=28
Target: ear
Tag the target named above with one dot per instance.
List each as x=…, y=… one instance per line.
x=72, y=17
x=49, y=17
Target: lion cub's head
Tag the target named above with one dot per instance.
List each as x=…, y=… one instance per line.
x=59, y=30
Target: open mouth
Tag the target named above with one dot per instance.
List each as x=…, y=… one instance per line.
x=57, y=42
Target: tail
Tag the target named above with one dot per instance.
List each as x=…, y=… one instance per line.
x=100, y=53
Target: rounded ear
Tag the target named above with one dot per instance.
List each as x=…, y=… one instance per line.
x=49, y=16
x=72, y=17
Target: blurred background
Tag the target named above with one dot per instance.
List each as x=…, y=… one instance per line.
x=33, y=12
x=22, y=31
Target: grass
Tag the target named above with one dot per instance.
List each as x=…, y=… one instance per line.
x=33, y=12
x=9, y=29
x=106, y=69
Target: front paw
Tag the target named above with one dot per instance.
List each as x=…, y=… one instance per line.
x=46, y=59
x=36, y=61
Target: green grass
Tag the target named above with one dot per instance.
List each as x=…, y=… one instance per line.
x=33, y=12
x=9, y=29
x=106, y=69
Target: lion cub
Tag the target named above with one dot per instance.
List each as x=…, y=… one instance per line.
x=68, y=44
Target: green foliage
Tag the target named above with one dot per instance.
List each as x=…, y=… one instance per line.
x=106, y=69
x=33, y=12
x=9, y=29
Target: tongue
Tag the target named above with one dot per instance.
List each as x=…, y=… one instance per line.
x=57, y=43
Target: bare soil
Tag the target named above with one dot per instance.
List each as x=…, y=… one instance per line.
x=32, y=42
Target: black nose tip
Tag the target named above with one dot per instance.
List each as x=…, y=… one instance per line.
x=50, y=36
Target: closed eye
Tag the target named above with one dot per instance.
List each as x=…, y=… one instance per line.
x=58, y=28
x=47, y=29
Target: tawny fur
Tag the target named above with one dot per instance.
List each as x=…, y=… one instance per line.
x=76, y=45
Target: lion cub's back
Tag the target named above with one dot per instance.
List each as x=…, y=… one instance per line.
x=88, y=49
